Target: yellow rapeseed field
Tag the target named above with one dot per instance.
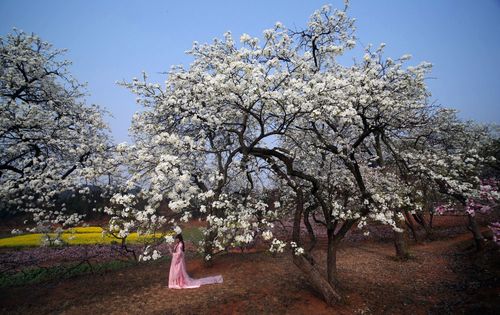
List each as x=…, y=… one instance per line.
x=73, y=236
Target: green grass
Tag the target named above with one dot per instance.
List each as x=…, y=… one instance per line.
x=38, y=275
x=192, y=234
x=88, y=235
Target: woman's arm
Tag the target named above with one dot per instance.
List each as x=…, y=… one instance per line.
x=178, y=254
x=178, y=249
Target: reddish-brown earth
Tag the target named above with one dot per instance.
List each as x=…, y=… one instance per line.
x=443, y=277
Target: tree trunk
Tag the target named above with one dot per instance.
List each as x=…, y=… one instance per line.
x=400, y=240
x=429, y=232
x=411, y=226
x=421, y=220
x=305, y=262
x=476, y=232
x=331, y=259
x=329, y=293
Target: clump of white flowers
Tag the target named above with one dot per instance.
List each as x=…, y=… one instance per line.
x=177, y=230
x=267, y=235
x=156, y=255
x=169, y=239
x=277, y=246
x=149, y=254
x=237, y=225
x=296, y=249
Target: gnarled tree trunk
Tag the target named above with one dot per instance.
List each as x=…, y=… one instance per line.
x=334, y=238
x=401, y=240
x=476, y=232
x=331, y=259
x=422, y=221
x=305, y=262
x=329, y=293
x=411, y=226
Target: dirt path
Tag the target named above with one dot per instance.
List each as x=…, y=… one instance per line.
x=257, y=283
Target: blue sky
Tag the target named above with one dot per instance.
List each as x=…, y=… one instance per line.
x=110, y=41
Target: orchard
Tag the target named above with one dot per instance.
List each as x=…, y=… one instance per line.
x=268, y=148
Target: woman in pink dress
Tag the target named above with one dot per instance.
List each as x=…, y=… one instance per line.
x=178, y=277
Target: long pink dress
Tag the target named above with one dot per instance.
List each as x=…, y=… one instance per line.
x=178, y=277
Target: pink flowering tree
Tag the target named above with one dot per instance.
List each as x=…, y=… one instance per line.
x=495, y=228
x=483, y=202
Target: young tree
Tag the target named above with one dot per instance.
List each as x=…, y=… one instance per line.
x=50, y=141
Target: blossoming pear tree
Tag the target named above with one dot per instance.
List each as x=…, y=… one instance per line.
x=50, y=141
x=182, y=157
x=452, y=161
x=283, y=109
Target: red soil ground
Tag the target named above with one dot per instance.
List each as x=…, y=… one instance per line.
x=441, y=278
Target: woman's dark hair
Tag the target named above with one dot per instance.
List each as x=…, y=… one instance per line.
x=181, y=240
